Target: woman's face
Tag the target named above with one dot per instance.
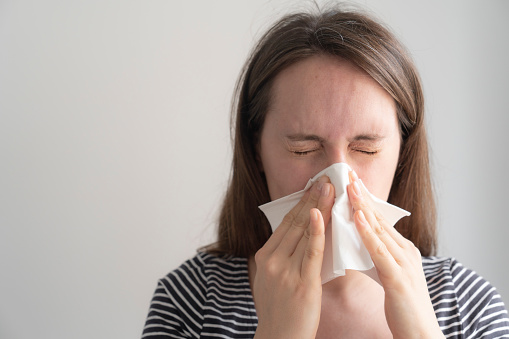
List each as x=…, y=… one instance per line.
x=326, y=110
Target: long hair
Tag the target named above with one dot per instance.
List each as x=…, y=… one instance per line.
x=351, y=35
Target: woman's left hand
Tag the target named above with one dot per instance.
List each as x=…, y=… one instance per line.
x=408, y=307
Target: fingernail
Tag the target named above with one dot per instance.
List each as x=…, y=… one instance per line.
x=314, y=215
x=321, y=181
x=357, y=189
x=325, y=190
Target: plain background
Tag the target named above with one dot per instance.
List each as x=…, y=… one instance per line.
x=115, y=149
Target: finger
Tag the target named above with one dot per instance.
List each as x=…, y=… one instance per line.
x=382, y=258
x=398, y=237
x=300, y=223
x=325, y=204
x=374, y=219
x=300, y=250
x=279, y=233
x=313, y=252
x=326, y=201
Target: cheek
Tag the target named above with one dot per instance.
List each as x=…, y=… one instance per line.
x=379, y=184
x=283, y=173
x=284, y=177
x=378, y=179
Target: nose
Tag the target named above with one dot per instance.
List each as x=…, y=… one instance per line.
x=336, y=154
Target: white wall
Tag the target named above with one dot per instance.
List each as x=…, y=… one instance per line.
x=114, y=145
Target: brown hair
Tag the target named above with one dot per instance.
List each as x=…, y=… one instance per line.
x=243, y=229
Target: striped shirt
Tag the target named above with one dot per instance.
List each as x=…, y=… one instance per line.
x=210, y=297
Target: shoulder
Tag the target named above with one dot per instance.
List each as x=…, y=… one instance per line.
x=207, y=294
x=194, y=276
x=466, y=305
x=205, y=267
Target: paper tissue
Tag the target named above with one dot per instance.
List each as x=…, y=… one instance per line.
x=344, y=249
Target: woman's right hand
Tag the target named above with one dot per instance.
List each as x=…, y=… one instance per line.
x=287, y=287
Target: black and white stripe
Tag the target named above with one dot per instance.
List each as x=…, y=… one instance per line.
x=206, y=297
x=466, y=305
x=210, y=297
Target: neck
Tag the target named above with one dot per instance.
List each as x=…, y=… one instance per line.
x=351, y=284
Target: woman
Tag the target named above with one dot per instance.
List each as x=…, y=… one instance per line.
x=321, y=89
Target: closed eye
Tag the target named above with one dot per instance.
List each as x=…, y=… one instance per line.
x=302, y=153
x=368, y=152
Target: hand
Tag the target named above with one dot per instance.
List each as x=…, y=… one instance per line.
x=287, y=287
x=408, y=307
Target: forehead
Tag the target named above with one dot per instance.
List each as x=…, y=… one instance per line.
x=332, y=95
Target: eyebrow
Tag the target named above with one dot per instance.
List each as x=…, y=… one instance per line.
x=313, y=137
x=304, y=137
x=367, y=137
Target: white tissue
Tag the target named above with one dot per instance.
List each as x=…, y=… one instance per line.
x=344, y=249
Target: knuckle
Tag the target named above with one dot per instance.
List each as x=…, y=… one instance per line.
x=366, y=233
x=259, y=256
x=288, y=218
x=379, y=230
x=379, y=217
x=381, y=250
x=271, y=267
x=307, y=233
x=300, y=220
x=362, y=205
x=313, y=252
x=314, y=196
